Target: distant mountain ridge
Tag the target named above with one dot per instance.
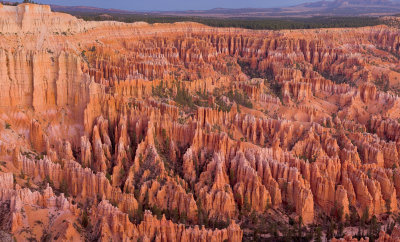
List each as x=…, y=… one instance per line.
x=88, y=9
x=346, y=3
x=320, y=8
x=364, y=1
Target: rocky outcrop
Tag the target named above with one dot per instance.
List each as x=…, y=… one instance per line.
x=169, y=131
x=116, y=226
x=32, y=18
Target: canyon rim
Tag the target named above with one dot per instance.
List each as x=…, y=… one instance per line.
x=118, y=131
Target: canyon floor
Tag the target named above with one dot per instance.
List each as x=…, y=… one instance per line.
x=182, y=132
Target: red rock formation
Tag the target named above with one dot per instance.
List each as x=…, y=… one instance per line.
x=142, y=116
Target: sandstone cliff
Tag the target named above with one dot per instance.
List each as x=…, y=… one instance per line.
x=176, y=132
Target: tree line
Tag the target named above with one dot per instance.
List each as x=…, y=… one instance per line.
x=247, y=23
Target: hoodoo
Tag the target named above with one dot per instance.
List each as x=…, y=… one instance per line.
x=185, y=132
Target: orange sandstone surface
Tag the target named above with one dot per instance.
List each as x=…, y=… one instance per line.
x=184, y=132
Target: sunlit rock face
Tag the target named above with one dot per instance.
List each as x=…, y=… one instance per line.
x=181, y=132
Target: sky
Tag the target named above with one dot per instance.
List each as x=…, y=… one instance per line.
x=166, y=5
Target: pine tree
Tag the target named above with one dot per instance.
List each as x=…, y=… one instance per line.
x=365, y=216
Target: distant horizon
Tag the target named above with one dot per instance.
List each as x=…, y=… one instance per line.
x=175, y=5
